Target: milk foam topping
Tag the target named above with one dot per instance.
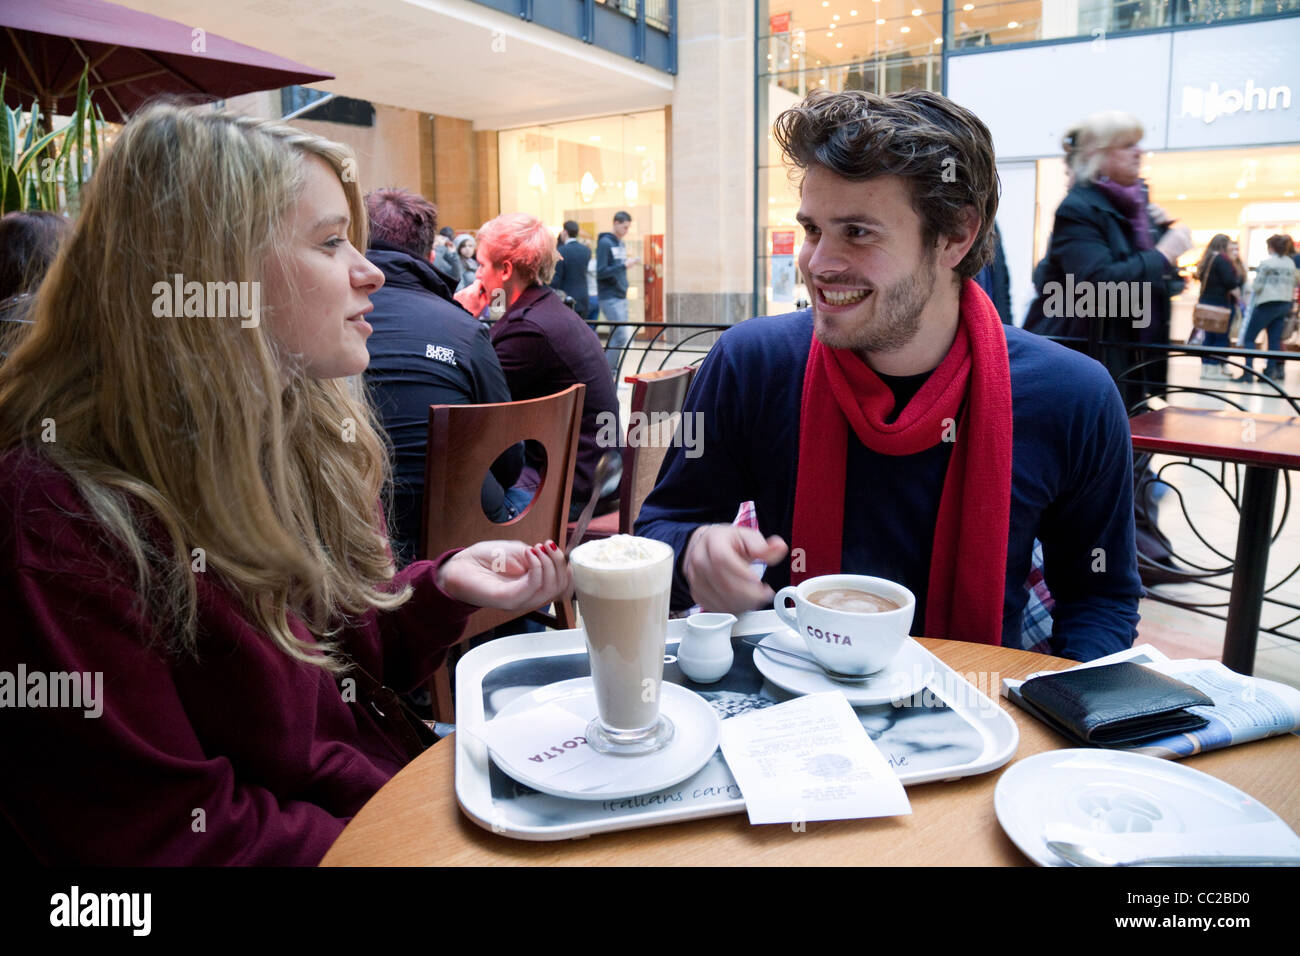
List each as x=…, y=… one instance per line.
x=623, y=566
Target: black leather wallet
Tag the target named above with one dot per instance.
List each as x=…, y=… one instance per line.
x=1114, y=704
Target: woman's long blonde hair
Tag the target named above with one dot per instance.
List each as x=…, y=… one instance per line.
x=200, y=432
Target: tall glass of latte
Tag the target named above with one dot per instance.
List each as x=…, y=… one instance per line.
x=623, y=586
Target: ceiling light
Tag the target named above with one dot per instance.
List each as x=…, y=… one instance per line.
x=1234, y=195
x=905, y=30
x=1182, y=195
x=838, y=45
x=1013, y=24
x=1241, y=184
x=587, y=186
x=853, y=13
x=938, y=39
x=836, y=17
x=594, y=139
x=880, y=22
x=916, y=11
x=968, y=7
x=1289, y=192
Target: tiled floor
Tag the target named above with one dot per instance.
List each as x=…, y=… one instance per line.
x=1185, y=633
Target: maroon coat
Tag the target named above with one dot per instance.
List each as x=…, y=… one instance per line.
x=247, y=757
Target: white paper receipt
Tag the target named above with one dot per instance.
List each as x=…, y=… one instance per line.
x=810, y=759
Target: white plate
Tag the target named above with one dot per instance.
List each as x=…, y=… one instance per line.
x=906, y=674
x=1115, y=792
x=695, y=738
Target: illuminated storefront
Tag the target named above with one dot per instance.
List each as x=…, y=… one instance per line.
x=587, y=170
x=1214, y=92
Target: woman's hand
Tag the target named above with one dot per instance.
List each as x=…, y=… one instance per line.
x=473, y=297
x=507, y=574
x=1174, y=243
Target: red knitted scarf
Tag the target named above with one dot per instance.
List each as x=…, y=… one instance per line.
x=969, y=559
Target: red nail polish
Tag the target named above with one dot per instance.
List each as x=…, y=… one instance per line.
x=553, y=546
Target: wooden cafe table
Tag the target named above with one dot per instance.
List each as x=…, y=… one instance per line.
x=1264, y=444
x=414, y=820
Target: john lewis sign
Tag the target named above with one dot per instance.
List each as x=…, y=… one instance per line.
x=1235, y=85
x=1207, y=105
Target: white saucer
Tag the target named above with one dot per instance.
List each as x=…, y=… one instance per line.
x=905, y=675
x=1111, y=792
x=695, y=738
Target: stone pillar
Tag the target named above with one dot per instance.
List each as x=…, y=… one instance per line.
x=709, y=251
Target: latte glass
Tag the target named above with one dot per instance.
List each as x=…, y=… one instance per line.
x=623, y=585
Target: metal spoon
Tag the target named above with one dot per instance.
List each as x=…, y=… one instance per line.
x=833, y=675
x=1080, y=855
x=603, y=466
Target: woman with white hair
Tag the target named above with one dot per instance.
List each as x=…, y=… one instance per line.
x=1103, y=233
x=191, y=536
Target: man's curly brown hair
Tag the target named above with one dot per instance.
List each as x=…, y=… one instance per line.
x=943, y=151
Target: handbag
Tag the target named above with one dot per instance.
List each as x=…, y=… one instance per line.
x=1211, y=318
x=405, y=726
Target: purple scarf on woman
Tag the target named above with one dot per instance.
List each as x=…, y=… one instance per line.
x=1131, y=202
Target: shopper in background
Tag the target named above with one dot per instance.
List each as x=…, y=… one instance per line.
x=571, y=269
x=1221, y=284
x=466, y=245
x=611, y=276
x=1103, y=234
x=995, y=279
x=1273, y=293
x=444, y=258
x=28, y=244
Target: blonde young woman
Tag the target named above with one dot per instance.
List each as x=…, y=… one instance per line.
x=194, y=577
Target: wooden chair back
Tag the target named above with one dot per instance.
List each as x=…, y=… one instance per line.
x=464, y=440
x=657, y=402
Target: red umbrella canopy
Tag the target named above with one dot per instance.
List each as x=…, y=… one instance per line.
x=133, y=56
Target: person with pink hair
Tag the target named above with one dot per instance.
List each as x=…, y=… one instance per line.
x=544, y=347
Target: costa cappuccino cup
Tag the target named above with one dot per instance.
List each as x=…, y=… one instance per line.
x=852, y=623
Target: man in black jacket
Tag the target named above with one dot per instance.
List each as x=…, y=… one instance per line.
x=571, y=269
x=425, y=350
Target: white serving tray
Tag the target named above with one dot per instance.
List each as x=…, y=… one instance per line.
x=951, y=729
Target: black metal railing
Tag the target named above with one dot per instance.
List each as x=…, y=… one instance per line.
x=654, y=347
x=1197, y=559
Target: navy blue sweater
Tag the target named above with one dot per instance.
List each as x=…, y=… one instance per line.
x=1071, y=483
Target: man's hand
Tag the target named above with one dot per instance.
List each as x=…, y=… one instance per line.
x=508, y=575
x=717, y=568
x=473, y=297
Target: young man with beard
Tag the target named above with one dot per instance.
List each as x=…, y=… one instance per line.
x=897, y=428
